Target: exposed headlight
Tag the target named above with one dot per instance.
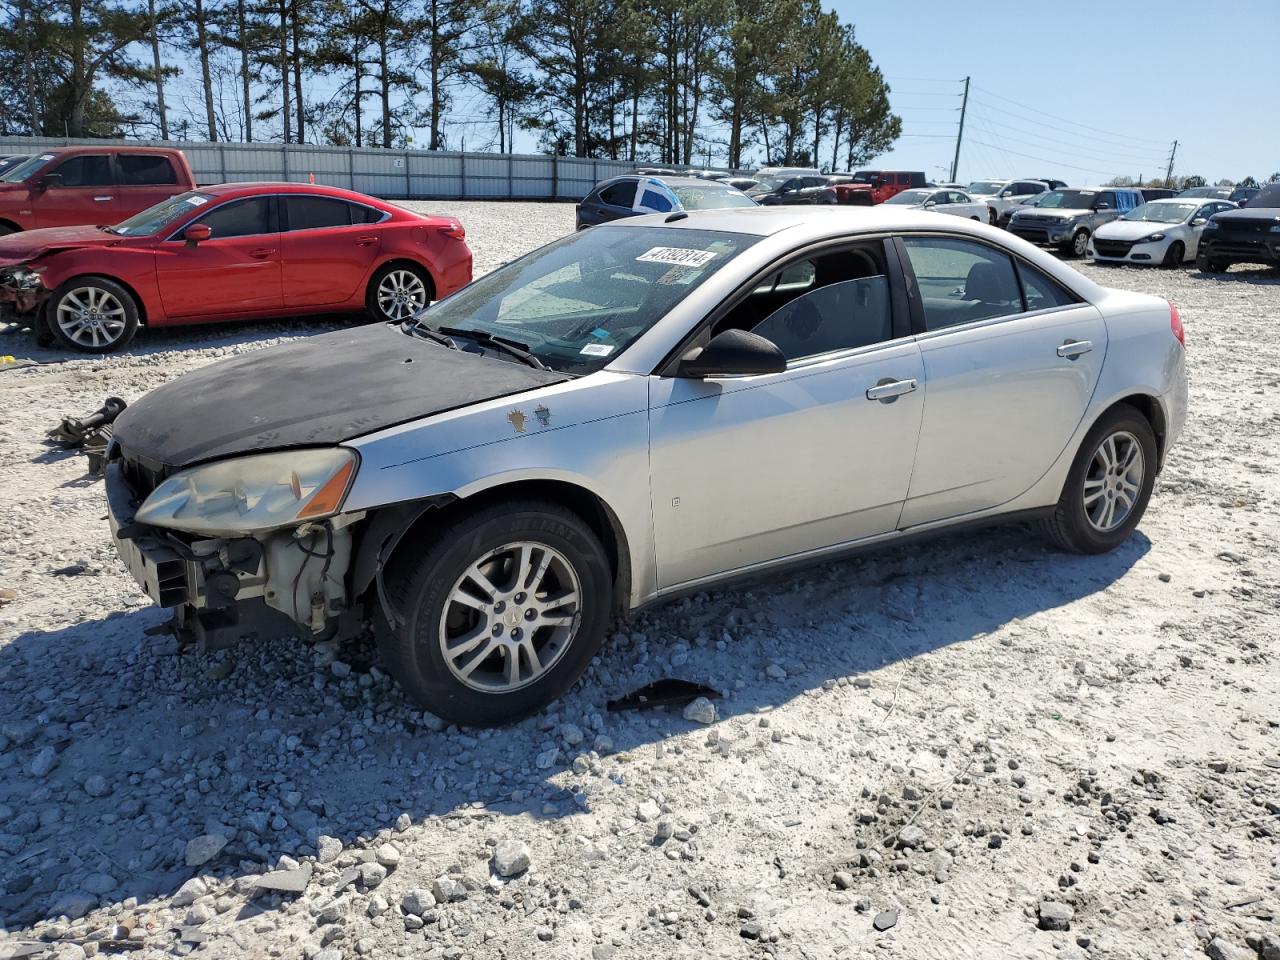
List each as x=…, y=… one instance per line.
x=25, y=278
x=251, y=494
x=1154, y=238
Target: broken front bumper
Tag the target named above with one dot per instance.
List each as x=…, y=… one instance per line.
x=159, y=569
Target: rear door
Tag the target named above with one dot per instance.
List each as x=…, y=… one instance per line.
x=80, y=190
x=1008, y=374
x=143, y=180
x=235, y=271
x=328, y=248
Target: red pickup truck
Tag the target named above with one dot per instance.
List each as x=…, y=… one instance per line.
x=879, y=184
x=71, y=186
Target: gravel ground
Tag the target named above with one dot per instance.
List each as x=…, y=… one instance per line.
x=973, y=747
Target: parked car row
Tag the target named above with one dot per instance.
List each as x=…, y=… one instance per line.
x=237, y=251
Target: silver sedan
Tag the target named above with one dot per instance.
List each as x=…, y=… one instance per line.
x=636, y=411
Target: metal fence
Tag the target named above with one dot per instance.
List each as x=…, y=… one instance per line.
x=394, y=174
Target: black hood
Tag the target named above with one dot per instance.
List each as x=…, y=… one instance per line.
x=321, y=390
x=1248, y=215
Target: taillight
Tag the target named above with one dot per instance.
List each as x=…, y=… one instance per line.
x=1175, y=323
x=454, y=230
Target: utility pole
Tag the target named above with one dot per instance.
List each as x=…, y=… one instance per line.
x=964, y=105
x=1168, y=174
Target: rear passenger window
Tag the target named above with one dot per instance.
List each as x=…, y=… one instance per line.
x=86, y=170
x=620, y=194
x=1041, y=291
x=140, y=169
x=313, y=213
x=961, y=281
x=363, y=214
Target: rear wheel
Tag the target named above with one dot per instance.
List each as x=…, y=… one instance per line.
x=1108, y=486
x=1173, y=256
x=92, y=315
x=399, y=291
x=502, y=611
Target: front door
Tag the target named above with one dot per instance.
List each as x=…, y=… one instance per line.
x=746, y=470
x=79, y=190
x=329, y=247
x=1010, y=369
x=235, y=271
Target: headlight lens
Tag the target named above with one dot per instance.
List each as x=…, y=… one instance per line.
x=249, y=494
x=1154, y=238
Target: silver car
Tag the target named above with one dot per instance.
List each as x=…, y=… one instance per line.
x=636, y=411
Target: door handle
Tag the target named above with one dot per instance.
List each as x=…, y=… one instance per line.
x=888, y=389
x=102, y=199
x=1074, y=348
x=261, y=253
x=365, y=241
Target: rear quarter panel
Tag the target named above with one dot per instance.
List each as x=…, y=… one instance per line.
x=448, y=260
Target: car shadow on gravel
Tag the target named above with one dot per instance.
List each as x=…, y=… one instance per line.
x=116, y=749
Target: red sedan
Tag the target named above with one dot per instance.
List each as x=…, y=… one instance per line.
x=238, y=251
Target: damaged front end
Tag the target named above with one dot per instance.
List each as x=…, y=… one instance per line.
x=228, y=584
x=22, y=293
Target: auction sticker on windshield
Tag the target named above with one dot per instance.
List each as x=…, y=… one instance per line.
x=677, y=255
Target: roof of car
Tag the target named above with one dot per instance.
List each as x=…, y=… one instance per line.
x=283, y=186
x=819, y=221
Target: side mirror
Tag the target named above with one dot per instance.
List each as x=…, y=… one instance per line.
x=1199, y=221
x=1103, y=206
x=733, y=353
x=930, y=203
x=48, y=180
x=197, y=232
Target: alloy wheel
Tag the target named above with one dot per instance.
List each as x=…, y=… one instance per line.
x=510, y=617
x=90, y=317
x=1080, y=244
x=401, y=295
x=1113, y=481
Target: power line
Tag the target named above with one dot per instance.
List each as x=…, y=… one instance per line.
x=1120, y=136
x=1069, y=166
x=1103, y=156
x=1086, y=142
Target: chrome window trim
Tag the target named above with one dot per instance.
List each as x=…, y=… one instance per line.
x=177, y=234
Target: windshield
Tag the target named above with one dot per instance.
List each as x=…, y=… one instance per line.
x=986, y=186
x=1268, y=198
x=711, y=198
x=1069, y=199
x=768, y=184
x=907, y=197
x=154, y=219
x=26, y=168
x=580, y=301
x=1216, y=193
x=1162, y=211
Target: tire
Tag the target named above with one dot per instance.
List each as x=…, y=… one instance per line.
x=1080, y=527
x=1174, y=255
x=1079, y=243
x=5, y=230
x=398, y=291
x=992, y=217
x=479, y=690
x=1207, y=265
x=92, y=315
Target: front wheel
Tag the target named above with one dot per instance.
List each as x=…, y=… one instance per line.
x=992, y=217
x=1080, y=243
x=1108, y=486
x=92, y=315
x=398, y=291
x=1173, y=256
x=500, y=613
x=1207, y=264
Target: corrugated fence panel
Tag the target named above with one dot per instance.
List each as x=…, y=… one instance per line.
x=386, y=173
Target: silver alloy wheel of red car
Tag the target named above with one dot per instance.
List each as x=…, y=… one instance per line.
x=91, y=317
x=401, y=294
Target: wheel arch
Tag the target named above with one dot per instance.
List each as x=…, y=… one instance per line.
x=1149, y=406
x=401, y=522
x=400, y=259
x=13, y=225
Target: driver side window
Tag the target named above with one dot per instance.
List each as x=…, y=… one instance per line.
x=835, y=301
x=241, y=218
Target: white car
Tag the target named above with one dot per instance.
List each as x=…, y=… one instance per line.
x=1002, y=196
x=1166, y=232
x=940, y=200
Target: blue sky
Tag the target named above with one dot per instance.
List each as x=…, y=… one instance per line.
x=1103, y=86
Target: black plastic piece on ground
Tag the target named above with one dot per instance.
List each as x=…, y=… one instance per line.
x=667, y=692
